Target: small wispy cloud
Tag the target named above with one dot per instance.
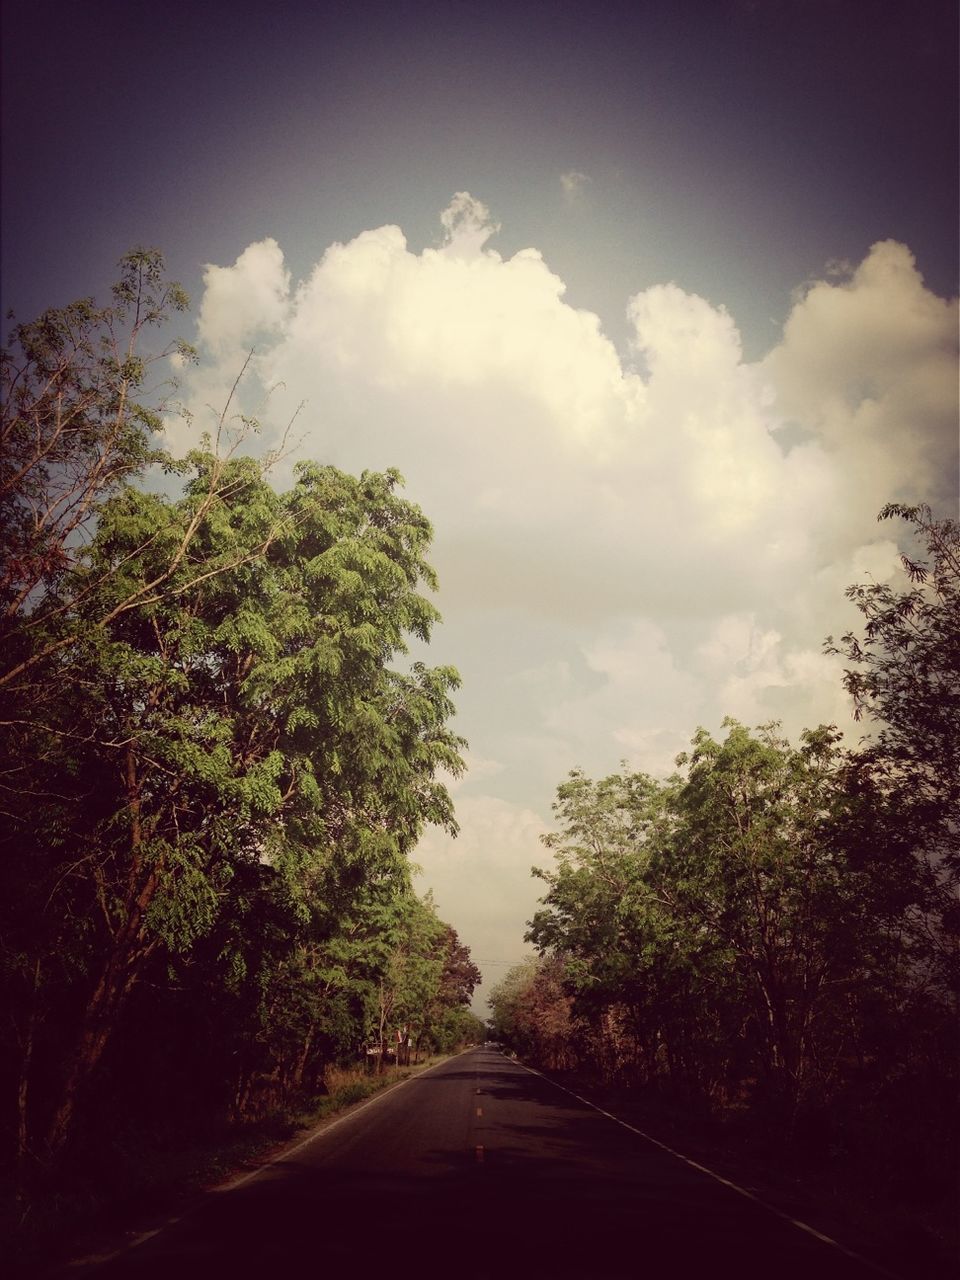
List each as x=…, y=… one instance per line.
x=467, y=225
x=573, y=182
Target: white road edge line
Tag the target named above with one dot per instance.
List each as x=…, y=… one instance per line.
x=95, y=1261
x=742, y=1191
x=325, y=1127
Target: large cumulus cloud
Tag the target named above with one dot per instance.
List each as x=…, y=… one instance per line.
x=630, y=542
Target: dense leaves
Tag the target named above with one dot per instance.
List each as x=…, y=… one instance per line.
x=214, y=767
x=772, y=931
x=708, y=914
x=905, y=679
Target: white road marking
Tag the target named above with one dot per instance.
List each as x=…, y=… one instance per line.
x=741, y=1191
x=328, y=1126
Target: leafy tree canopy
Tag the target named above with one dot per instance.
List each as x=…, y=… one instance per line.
x=199, y=689
x=904, y=679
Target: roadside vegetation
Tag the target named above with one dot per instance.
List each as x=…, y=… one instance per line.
x=94, y=1201
x=215, y=760
x=764, y=946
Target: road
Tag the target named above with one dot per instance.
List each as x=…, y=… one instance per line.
x=483, y=1170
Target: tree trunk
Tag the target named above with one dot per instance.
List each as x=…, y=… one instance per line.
x=242, y=1093
x=122, y=968
x=116, y=981
x=23, y=1084
x=381, y=1061
x=781, y=1048
x=301, y=1067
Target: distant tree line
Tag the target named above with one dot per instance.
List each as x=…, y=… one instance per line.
x=774, y=931
x=212, y=771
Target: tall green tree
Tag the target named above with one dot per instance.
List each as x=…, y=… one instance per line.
x=440, y=1021
x=213, y=693
x=904, y=678
x=505, y=1001
x=754, y=859
x=638, y=969
x=705, y=922
x=776, y=925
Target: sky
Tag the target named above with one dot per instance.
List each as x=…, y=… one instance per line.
x=652, y=304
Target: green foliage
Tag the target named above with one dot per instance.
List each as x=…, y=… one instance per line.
x=213, y=770
x=905, y=677
x=772, y=931
x=707, y=909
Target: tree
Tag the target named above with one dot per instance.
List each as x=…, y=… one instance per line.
x=504, y=1000
x=208, y=690
x=905, y=681
x=639, y=973
x=250, y=716
x=754, y=859
x=459, y=975
x=441, y=1021
x=73, y=433
x=532, y=1012
x=705, y=922
x=773, y=930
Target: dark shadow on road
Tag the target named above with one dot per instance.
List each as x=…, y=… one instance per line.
x=540, y=1187
x=519, y=1215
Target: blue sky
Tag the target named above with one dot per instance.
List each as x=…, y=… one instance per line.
x=734, y=146
x=651, y=304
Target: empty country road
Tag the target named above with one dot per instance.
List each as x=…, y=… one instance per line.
x=481, y=1169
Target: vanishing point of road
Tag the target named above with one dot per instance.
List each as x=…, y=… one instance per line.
x=482, y=1170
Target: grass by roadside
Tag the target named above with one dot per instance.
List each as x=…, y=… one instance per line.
x=916, y=1240
x=101, y=1198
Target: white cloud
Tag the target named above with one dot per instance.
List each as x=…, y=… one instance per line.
x=757, y=677
x=467, y=225
x=869, y=363
x=573, y=182
x=654, y=541
x=477, y=767
x=245, y=301
x=481, y=881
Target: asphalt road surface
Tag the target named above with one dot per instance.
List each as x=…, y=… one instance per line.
x=483, y=1170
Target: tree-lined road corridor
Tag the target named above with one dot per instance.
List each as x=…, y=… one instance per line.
x=479, y=1168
